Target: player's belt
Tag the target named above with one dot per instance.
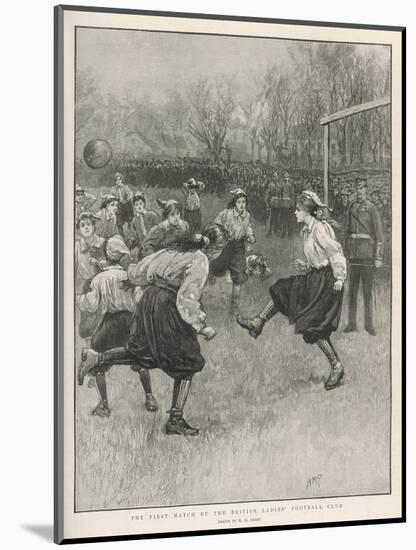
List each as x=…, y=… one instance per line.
x=361, y=236
x=164, y=284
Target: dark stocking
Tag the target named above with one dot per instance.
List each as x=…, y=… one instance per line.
x=102, y=387
x=181, y=387
x=145, y=380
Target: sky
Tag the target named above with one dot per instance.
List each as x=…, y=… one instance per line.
x=150, y=62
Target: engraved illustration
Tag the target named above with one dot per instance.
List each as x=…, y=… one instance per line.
x=232, y=269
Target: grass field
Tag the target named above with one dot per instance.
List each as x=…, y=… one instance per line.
x=267, y=424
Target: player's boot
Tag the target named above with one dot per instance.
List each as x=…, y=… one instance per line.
x=89, y=360
x=150, y=403
x=336, y=377
x=176, y=424
x=102, y=410
x=254, y=325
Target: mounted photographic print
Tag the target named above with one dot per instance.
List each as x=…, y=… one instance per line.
x=229, y=274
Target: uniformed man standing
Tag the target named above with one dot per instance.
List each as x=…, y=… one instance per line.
x=364, y=247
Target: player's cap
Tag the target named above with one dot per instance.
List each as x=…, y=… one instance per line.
x=116, y=248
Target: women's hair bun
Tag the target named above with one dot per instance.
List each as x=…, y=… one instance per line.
x=199, y=238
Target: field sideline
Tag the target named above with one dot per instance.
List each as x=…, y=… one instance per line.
x=267, y=424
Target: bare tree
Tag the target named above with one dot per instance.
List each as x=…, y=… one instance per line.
x=213, y=104
x=177, y=116
x=309, y=110
x=379, y=119
x=89, y=103
x=270, y=128
x=253, y=114
x=140, y=117
x=284, y=99
x=343, y=72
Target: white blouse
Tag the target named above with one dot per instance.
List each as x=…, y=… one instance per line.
x=186, y=271
x=321, y=248
x=106, y=295
x=237, y=225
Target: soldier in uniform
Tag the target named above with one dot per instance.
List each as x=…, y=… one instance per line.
x=273, y=201
x=364, y=247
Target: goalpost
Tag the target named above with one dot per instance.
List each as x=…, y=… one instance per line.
x=326, y=121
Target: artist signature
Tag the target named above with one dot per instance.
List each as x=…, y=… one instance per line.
x=314, y=481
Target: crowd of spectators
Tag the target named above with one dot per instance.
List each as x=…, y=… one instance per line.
x=220, y=176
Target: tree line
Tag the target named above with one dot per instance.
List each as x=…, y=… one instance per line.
x=279, y=115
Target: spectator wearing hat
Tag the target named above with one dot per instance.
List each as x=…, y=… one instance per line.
x=365, y=248
x=172, y=229
x=107, y=225
x=123, y=193
x=236, y=220
x=115, y=305
x=141, y=224
x=311, y=300
x=192, y=213
x=83, y=200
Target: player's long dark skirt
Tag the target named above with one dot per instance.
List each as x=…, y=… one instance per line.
x=160, y=338
x=112, y=332
x=309, y=301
